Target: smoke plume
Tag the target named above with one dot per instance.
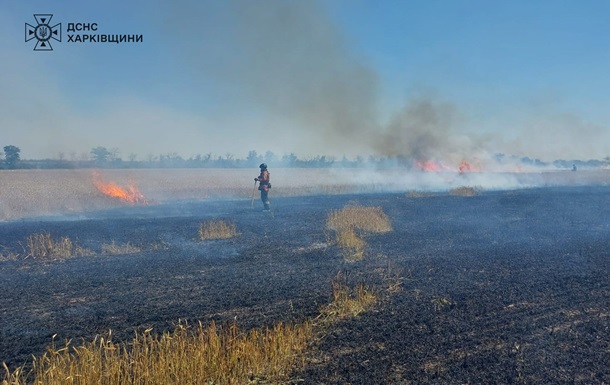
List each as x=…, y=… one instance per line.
x=286, y=58
x=426, y=129
x=286, y=67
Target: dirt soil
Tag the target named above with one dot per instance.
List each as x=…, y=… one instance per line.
x=505, y=287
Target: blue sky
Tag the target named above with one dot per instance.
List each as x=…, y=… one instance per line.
x=432, y=79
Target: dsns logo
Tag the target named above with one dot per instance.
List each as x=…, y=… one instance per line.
x=43, y=32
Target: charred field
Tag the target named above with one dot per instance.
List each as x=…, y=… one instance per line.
x=503, y=287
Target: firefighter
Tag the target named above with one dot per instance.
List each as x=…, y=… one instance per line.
x=264, y=185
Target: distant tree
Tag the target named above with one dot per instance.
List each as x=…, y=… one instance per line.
x=11, y=156
x=132, y=157
x=200, y=160
x=270, y=157
x=345, y=162
x=253, y=158
x=151, y=159
x=194, y=161
x=100, y=155
x=114, y=154
x=228, y=161
x=319, y=161
x=171, y=159
x=289, y=160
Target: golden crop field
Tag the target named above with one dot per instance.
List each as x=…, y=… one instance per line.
x=26, y=193
x=47, y=192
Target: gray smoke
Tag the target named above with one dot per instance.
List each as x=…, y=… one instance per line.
x=421, y=130
x=290, y=59
x=286, y=65
x=284, y=57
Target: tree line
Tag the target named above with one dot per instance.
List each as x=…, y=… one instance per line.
x=10, y=158
x=102, y=157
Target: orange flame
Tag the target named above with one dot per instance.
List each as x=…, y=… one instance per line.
x=429, y=166
x=130, y=195
x=433, y=166
x=468, y=167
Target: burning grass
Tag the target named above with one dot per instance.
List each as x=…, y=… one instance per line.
x=43, y=246
x=350, y=220
x=27, y=193
x=130, y=194
x=217, y=229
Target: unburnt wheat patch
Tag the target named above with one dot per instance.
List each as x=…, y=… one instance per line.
x=352, y=221
x=44, y=246
x=217, y=229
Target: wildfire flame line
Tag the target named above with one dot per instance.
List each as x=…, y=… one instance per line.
x=433, y=166
x=131, y=194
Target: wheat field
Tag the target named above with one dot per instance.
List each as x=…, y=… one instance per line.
x=27, y=193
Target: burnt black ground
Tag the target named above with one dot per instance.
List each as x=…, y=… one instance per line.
x=502, y=288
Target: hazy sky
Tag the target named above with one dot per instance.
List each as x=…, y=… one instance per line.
x=427, y=79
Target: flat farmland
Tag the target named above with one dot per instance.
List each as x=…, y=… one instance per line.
x=28, y=193
x=506, y=286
